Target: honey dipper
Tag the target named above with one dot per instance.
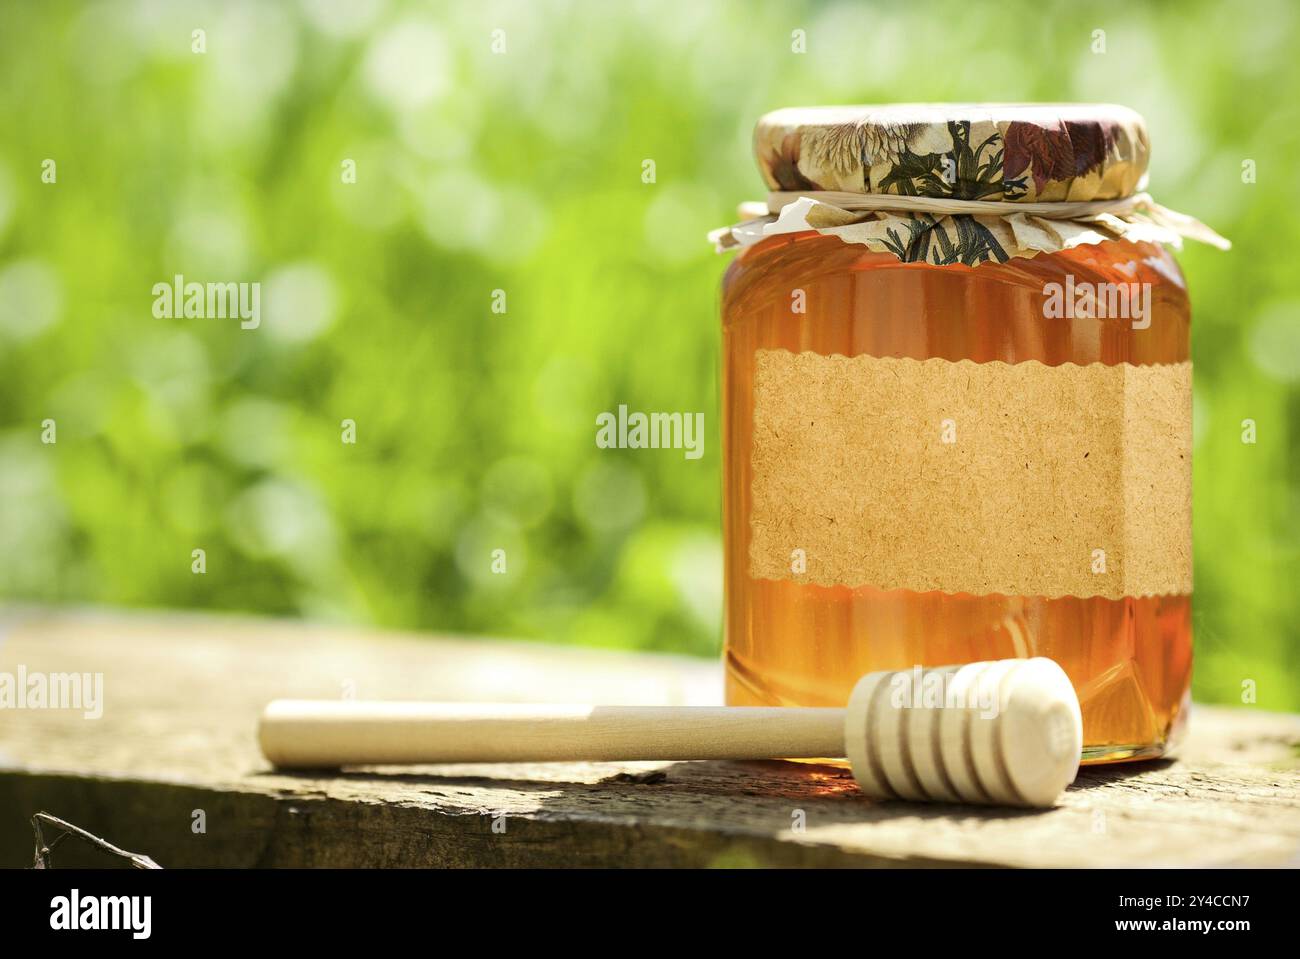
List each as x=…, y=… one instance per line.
x=1006, y=732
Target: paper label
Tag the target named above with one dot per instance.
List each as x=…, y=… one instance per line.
x=1018, y=479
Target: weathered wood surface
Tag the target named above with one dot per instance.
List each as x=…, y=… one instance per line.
x=182, y=694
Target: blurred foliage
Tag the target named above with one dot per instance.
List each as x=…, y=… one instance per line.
x=521, y=171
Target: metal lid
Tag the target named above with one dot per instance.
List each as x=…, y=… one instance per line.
x=1026, y=152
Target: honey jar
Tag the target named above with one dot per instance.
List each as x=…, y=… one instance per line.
x=957, y=410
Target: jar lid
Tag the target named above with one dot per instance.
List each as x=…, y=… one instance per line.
x=1012, y=152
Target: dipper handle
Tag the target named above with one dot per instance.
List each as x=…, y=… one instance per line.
x=326, y=734
x=1006, y=732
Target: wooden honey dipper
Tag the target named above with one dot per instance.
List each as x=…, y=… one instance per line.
x=1007, y=732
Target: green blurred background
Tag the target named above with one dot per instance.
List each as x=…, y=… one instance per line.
x=521, y=171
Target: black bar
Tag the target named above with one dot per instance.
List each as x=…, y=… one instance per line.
x=860, y=909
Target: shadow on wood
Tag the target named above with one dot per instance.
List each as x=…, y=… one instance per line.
x=172, y=769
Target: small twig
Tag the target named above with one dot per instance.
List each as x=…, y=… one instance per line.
x=44, y=849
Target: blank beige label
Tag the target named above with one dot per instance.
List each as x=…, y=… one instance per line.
x=1020, y=479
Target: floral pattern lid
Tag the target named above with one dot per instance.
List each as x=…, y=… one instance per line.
x=1031, y=153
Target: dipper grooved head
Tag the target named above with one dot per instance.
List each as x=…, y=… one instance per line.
x=1008, y=732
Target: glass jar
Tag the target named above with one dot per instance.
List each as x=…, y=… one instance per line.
x=925, y=464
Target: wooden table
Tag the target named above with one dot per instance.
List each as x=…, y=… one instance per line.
x=175, y=748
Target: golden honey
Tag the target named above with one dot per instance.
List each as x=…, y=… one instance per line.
x=799, y=643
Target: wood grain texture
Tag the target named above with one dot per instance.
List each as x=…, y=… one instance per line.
x=182, y=695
